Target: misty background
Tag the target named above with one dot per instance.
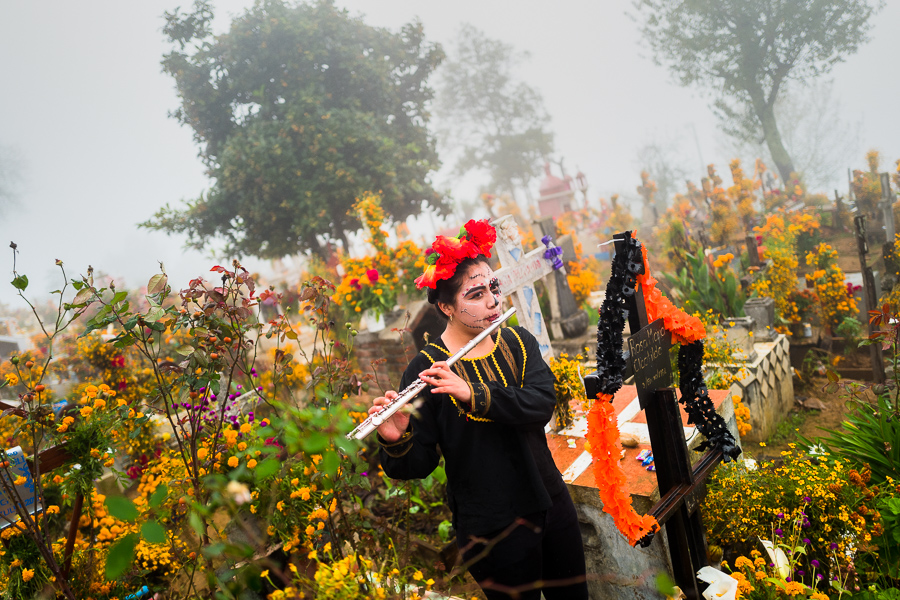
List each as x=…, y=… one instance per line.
x=87, y=149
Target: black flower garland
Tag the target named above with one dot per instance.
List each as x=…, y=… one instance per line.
x=608, y=379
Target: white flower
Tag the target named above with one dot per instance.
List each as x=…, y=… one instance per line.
x=239, y=492
x=721, y=585
x=778, y=558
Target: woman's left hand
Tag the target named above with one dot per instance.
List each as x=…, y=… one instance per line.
x=445, y=381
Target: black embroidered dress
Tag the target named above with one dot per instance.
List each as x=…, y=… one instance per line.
x=496, y=456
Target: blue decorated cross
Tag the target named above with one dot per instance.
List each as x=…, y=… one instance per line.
x=517, y=276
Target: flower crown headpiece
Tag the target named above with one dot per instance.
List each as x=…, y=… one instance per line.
x=445, y=254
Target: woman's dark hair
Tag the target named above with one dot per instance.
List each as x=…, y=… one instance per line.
x=445, y=290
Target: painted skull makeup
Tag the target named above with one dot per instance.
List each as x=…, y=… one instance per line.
x=478, y=300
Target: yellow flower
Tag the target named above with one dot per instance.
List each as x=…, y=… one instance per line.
x=86, y=411
x=417, y=576
x=20, y=480
x=202, y=453
x=245, y=428
x=264, y=574
x=251, y=463
x=233, y=462
x=27, y=574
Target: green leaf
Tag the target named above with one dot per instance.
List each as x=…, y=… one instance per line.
x=214, y=550
x=122, y=508
x=185, y=350
x=20, y=282
x=157, y=283
x=664, y=585
x=196, y=523
x=267, y=468
x=159, y=494
x=153, y=532
x=83, y=296
x=330, y=462
x=119, y=297
x=121, y=555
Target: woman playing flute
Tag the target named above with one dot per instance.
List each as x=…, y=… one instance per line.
x=486, y=416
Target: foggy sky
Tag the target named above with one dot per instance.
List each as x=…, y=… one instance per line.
x=84, y=106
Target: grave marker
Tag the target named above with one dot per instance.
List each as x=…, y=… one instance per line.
x=23, y=494
x=520, y=271
x=681, y=486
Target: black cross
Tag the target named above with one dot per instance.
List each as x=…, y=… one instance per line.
x=681, y=485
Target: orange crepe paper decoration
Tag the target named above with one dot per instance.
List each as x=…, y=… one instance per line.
x=603, y=437
x=685, y=328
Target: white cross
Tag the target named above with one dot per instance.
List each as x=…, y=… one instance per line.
x=517, y=277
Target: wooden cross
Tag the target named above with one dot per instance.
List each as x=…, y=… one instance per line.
x=681, y=486
x=517, y=277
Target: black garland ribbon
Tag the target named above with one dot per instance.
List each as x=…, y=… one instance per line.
x=700, y=409
x=608, y=378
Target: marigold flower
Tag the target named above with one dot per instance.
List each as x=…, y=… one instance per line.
x=27, y=574
x=20, y=480
x=251, y=463
x=233, y=462
x=202, y=453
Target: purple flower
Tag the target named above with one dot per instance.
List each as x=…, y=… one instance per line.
x=779, y=532
x=805, y=540
x=781, y=515
x=807, y=499
x=820, y=576
x=801, y=573
x=814, y=563
x=833, y=546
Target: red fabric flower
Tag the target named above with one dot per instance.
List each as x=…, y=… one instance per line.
x=444, y=268
x=454, y=248
x=476, y=238
x=482, y=234
x=372, y=274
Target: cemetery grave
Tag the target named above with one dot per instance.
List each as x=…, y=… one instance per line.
x=197, y=444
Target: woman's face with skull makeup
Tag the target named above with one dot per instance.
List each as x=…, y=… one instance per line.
x=477, y=302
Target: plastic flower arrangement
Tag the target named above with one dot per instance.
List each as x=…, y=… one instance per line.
x=779, y=281
x=724, y=222
x=568, y=386
x=836, y=300
x=375, y=282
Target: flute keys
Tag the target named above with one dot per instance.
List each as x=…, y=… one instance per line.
x=377, y=420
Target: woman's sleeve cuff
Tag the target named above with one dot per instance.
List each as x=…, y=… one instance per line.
x=398, y=448
x=481, y=399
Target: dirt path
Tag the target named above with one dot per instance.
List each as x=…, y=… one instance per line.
x=806, y=422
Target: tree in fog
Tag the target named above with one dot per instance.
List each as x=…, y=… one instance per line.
x=814, y=133
x=298, y=110
x=496, y=123
x=744, y=52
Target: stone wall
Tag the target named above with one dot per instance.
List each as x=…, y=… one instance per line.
x=767, y=388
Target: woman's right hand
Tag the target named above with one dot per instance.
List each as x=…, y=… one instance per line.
x=391, y=430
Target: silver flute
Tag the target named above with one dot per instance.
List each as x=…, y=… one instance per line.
x=412, y=390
